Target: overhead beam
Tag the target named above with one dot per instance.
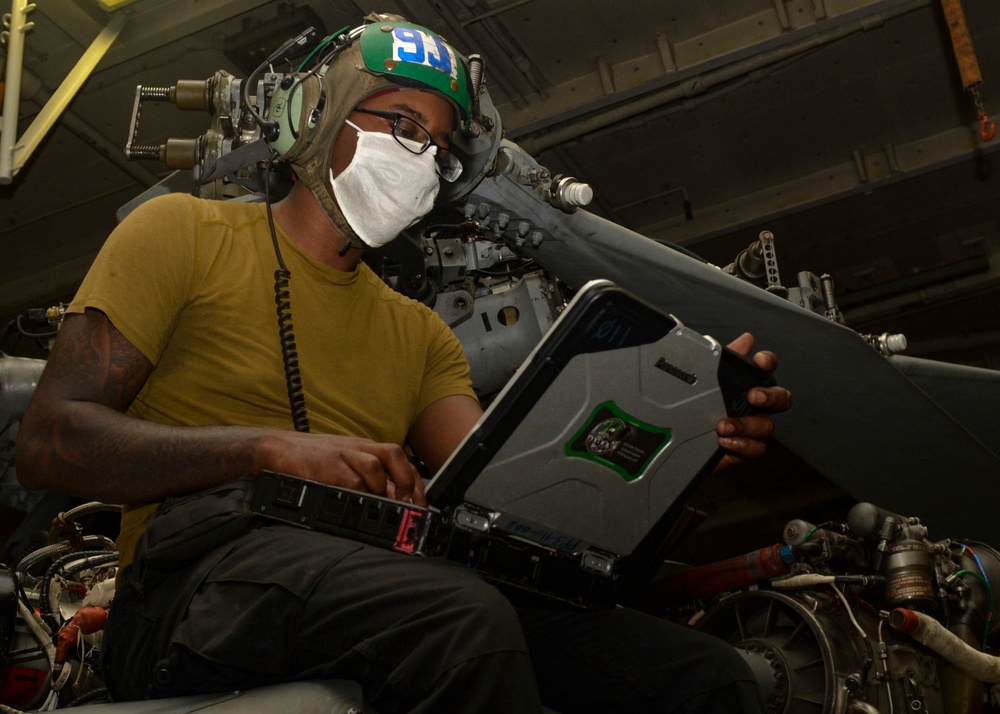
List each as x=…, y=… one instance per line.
x=152, y=26
x=15, y=152
x=563, y=117
x=863, y=172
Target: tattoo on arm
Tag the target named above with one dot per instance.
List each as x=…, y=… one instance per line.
x=77, y=439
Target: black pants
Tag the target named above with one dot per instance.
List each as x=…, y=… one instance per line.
x=421, y=635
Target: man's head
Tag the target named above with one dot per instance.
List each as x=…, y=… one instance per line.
x=391, y=78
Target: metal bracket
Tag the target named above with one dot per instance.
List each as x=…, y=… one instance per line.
x=598, y=562
x=15, y=152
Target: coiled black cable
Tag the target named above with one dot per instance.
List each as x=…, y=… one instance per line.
x=289, y=350
x=286, y=334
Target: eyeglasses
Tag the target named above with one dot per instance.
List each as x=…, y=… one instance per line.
x=416, y=139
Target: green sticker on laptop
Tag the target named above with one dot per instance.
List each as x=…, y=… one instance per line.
x=621, y=442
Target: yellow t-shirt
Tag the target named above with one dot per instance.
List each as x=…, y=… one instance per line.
x=190, y=283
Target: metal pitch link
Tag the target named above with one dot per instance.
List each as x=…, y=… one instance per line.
x=156, y=94
x=831, y=311
x=770, y=259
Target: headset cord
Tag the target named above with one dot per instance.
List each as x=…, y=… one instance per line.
x=289, y=351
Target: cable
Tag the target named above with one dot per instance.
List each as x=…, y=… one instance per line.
x=953, y=578
x=857, y=626
x=286, y=334
x=88, y=697
x=281, y=53
x=989, y=588
x=87, y=543
x=335, y=36
x=885, y=666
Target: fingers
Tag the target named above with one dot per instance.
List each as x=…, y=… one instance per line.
x=384, y=470
x=742, y=344
x=767, y=361
x=759, y=426
x=770, y=399
x=744, y=438
x=349, y=462
x=405, y=483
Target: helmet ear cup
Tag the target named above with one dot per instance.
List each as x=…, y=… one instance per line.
x=295, y=114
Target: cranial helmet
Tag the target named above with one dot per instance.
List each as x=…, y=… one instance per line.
x=309, y=108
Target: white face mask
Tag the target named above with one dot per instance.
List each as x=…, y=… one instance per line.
x=385, y=188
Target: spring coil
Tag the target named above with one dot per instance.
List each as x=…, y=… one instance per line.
x=289, y=351
x=156, y=94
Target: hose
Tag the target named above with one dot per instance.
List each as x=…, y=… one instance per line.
x=85, y=509
x=730, y=574
x=64, y=524
x=931, y=633
x=91, y=542
x=40, y=631
x=87, y=621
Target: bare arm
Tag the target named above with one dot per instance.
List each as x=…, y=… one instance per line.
x=76, y=439
x=440, y=428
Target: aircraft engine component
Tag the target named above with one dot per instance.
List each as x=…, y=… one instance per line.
x=865, y=616
x=808, y=657
x=61, y=593
x=511, y=315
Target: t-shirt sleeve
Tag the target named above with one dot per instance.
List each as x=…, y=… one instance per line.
x=446, y=371
x=142, y=274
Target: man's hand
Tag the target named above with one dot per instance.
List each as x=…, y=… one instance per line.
x=745, y=437
x=349, y=462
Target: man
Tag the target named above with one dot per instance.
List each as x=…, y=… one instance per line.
x=167, y=380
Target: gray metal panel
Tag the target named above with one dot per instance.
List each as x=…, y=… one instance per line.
x=970, y=394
